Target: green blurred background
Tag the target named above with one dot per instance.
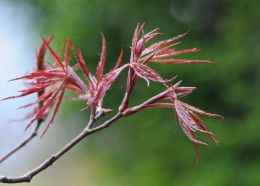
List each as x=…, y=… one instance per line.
x=149, y=148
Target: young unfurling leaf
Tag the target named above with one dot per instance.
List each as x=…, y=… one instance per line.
x=50, y=81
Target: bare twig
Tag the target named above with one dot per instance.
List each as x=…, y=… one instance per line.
x=48, y=162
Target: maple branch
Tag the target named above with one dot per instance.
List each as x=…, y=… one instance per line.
x=48, y=162
x=60, y=76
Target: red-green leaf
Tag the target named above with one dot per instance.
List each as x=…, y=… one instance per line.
x=102, y=62
x=146, y=72
x=199, y=111
x=56, y=108
x=170, y=53
x=67, y=54
x=119, y=60
x=41, y=54
x=179, y=61
x=54, y=55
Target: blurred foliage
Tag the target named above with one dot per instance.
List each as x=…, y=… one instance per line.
x=149, y=148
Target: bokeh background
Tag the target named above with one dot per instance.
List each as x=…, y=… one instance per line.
x=148, y=148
